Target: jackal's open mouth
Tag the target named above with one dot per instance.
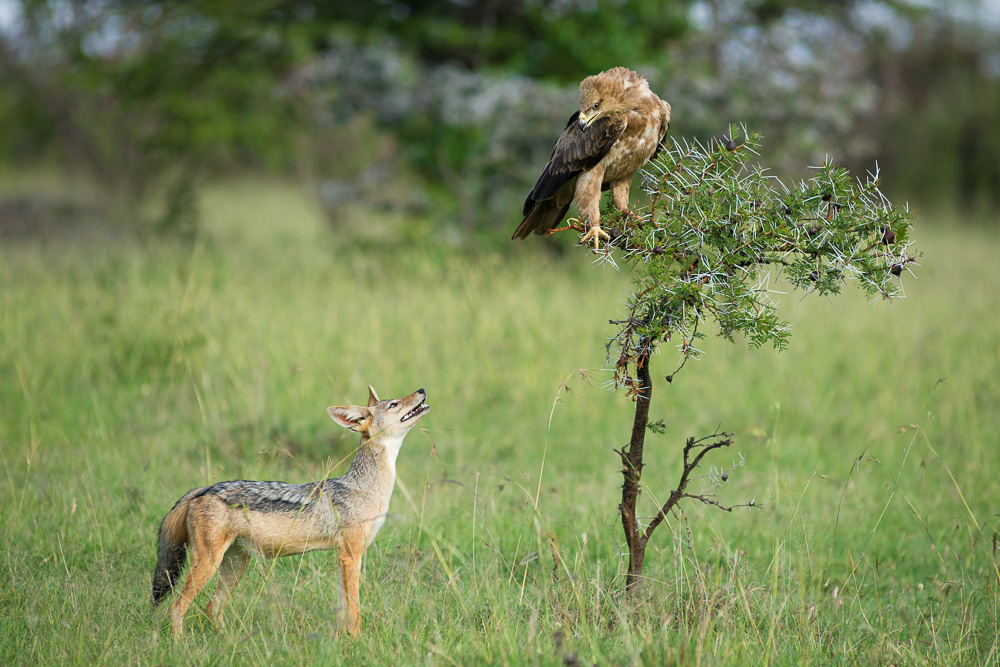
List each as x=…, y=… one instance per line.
x=416, y=412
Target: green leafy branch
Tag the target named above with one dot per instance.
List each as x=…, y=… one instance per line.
x=716, y=226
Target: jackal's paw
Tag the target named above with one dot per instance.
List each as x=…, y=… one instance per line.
x=595, y=233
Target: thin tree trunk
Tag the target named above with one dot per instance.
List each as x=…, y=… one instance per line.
x=632, y=472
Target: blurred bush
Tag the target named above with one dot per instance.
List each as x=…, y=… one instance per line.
x=461, y=135
x=446, y=110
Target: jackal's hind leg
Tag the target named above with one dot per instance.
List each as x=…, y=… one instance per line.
x=233, y=565
x=206, y=555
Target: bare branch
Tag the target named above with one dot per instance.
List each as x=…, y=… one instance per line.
x=705, y=445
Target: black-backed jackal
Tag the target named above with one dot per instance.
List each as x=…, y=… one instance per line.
x=224, y=524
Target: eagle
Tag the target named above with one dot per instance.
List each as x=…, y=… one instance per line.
x=619, y=127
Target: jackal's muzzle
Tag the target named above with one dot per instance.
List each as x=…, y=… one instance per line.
x=420, y=409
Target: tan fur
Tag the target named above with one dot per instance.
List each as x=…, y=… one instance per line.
x=225, y=524
x=616, y=107
x=625, y=97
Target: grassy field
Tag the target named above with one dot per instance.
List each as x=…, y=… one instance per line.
x=133, y=372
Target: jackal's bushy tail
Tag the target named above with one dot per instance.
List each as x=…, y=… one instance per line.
x=172, y=550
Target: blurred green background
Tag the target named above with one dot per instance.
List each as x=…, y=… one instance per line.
x=442, y=112
x=218, y=218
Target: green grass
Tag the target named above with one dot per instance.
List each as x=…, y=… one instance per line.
x=133, y=372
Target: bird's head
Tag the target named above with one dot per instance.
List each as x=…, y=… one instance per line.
x=609, y=94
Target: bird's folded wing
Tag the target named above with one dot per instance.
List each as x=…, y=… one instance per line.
x=576, y=151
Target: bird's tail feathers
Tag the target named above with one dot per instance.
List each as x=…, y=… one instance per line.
x=545, y=215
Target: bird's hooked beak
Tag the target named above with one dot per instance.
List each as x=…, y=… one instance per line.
x=584, y=122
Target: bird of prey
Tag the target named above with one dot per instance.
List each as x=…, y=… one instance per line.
x=617, y=129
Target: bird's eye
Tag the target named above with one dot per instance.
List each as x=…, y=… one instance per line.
x=392, y=405
x=597, y=105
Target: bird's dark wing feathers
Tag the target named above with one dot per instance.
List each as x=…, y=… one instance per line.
x=659, y=149
x=575, y=152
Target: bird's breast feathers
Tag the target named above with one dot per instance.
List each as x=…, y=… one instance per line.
x=634, y=148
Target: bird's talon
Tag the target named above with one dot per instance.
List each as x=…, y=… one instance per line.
x=595, y=233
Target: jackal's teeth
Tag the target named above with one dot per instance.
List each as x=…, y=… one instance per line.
x=420, y=409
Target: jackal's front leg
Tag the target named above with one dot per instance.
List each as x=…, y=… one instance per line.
x=352, y=547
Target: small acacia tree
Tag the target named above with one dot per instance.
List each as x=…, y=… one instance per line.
x=703, y=252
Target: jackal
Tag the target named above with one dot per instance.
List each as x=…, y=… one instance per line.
x=226, y=523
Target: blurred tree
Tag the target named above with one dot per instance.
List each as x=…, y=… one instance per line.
x=469, y=88
x=911, y=85
x=938, y=127
x=556, y=40
x=426, y=105
x=148, y=98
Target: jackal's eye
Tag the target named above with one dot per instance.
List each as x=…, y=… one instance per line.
x=392, y=405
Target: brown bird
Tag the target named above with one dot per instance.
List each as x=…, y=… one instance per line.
x=617, y=130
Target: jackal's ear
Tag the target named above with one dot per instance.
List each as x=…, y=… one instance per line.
x=372, y=396
x=353, y=417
